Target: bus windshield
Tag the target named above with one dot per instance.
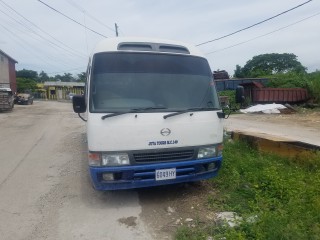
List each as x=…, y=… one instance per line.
x=122, y=81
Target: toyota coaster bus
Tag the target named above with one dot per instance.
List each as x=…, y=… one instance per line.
x=152, y=112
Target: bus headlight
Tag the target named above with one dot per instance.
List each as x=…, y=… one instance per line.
x=207, y=152
x=115, y=159
x=210, y=151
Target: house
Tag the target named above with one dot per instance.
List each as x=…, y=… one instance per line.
x=8, y=71
x=62, y=90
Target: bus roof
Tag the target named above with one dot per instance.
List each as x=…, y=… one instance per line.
x=146, y=45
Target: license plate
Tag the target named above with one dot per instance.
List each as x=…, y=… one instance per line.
x=165, y=174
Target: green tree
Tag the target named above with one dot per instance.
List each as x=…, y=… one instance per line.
x=66, y=77
x=269, y=64
x=82, y=77
x=24, y=73
x=43, y=77
x=238, y=72
x=26, y=85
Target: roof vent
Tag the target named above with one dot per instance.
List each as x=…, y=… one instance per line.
x=134, y=46
x=152, y=47
x=173, y=49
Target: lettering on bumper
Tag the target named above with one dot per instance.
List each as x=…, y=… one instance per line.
x=157, y=143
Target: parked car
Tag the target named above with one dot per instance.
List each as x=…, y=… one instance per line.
x=70, y=95
x=24, y=98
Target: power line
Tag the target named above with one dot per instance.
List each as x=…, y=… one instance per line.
x=12, y=26
x=74, y=52
x=230, y=34
x=51, y=43
x=31, y=49
x=69, y=70
x=72, y=19
x=21, y=43
x=89, y=15
x=279, y=29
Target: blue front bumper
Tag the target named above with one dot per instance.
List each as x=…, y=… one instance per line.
x=139, y=176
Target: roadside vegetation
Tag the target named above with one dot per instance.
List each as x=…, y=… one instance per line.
x=309, y=81
x=276, y=197
x=44, y=77
x=231, y=94
x=29, y=81
x=26, y=85
x=283, y=71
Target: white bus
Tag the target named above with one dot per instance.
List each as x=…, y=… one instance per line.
x=153, y=114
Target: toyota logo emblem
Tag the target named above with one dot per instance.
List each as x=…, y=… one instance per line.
x=165, y=132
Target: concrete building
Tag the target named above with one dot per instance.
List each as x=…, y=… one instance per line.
x=8, y=72
x=62, y=90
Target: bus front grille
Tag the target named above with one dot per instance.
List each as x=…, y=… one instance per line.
x=167, y=156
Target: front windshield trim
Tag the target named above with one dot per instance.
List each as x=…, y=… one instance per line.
x=134, y=110
x=172, y=112
x=191, y=110
x=147, y=80
x=97, y=67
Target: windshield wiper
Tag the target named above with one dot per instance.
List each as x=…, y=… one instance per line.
x=133, y=110
x=189, y=110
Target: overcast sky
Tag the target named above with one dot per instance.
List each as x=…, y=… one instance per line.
x=42, y=39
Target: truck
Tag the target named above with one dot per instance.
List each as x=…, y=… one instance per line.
x=6, y=98
x=152, y=114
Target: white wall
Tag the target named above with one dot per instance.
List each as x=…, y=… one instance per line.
x=4, y=69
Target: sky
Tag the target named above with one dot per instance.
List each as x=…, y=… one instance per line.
x=42, y=39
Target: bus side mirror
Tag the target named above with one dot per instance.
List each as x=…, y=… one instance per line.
x=240, y=94
x=79, y=104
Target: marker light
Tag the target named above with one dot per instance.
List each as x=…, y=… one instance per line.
x=115, y=159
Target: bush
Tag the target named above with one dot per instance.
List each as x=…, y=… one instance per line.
x=26, y=85
x=314, y=86
x=231, y=94
x=288, y=80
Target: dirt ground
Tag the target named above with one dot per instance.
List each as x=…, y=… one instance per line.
x=46, y=191
x=169, y=207
x=302, y=126
x=303, y=117
x=45, y=188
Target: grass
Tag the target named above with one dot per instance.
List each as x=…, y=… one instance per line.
x=282, y=195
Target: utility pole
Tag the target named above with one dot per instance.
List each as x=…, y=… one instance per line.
x=116, y=27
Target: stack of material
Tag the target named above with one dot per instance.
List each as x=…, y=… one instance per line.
x=265, y=108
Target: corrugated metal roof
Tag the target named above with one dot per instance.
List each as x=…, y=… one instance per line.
x=64, y=84
x=253, y=83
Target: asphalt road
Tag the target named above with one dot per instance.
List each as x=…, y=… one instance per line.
x=45, y=192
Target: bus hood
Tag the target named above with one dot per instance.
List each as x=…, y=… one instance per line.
x=140, y=131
